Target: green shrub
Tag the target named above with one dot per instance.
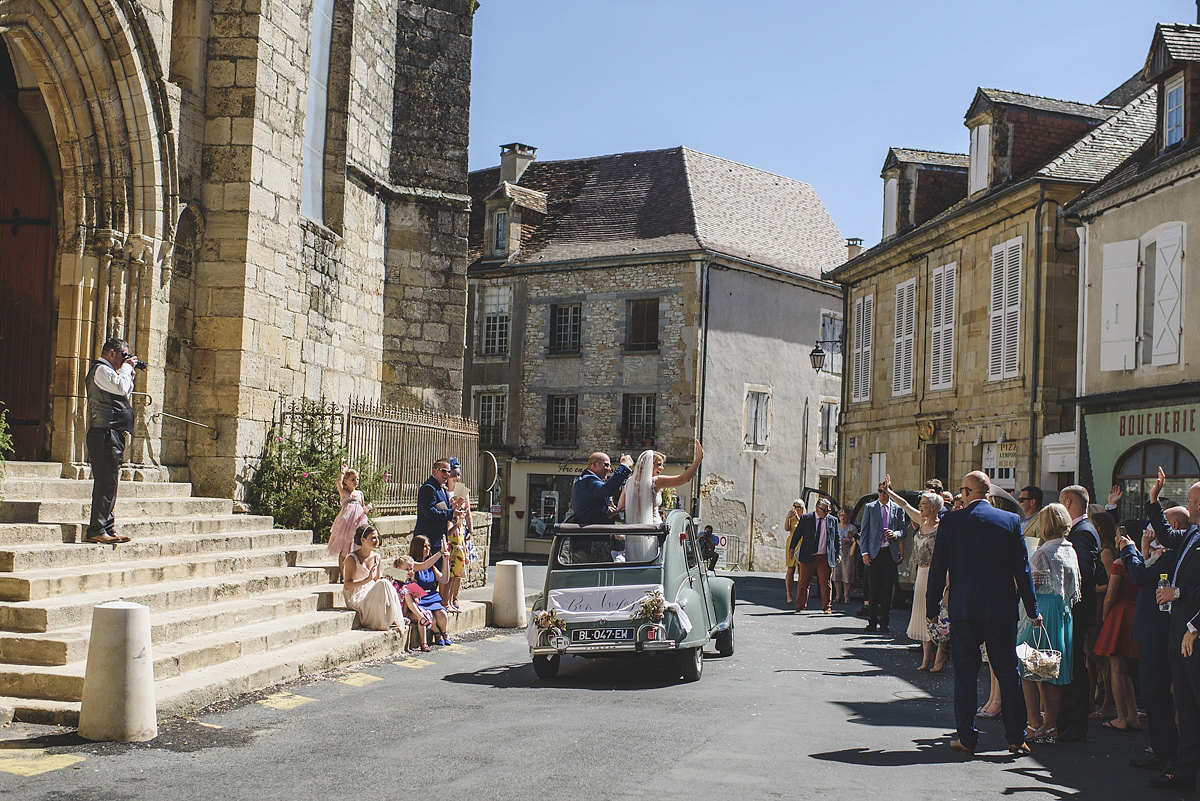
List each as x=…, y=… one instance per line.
x=296, y=481
x=6, y=445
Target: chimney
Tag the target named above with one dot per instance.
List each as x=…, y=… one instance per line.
x=514, y=158
x=853, y=247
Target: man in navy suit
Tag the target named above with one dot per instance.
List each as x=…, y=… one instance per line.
x=1184, y=596
x=434, y=507
x=593, y=491
x=881, y=541
x=983, y=550
x=819, y=550
x=1076, y=696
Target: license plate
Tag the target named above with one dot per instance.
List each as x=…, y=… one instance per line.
x=601, y=635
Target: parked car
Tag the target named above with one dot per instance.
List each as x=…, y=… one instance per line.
x=596, y=600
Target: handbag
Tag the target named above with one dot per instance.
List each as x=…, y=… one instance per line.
x=1038, y=661
x=939, y=629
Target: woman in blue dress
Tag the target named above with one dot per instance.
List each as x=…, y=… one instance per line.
x=428, y=577
x=1057, y=585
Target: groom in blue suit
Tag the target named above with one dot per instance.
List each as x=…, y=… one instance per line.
x=982, y=548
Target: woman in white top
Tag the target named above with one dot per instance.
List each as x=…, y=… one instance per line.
x=642, y=494
x=926, y=520
x=366, y=591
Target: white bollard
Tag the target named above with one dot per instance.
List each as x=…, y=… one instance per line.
x=508, y=596
x=118, y=685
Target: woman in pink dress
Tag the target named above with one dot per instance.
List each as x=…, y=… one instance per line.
x=353, y=515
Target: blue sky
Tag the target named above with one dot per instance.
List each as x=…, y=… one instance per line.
x=816, y=91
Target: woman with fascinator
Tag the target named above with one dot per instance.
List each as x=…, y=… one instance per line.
x=642, y=495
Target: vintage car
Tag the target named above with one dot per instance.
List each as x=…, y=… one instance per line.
x=660, y=600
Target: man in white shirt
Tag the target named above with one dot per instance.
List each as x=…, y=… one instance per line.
x=110, y=417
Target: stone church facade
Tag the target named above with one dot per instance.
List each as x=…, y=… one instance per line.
x=267, y=200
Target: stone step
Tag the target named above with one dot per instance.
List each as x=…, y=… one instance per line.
x=33, y=470
x=74, y=511
x=38, y=711
x=15, y=558
x=35, y=585
x=60, y=646
x=21, y=489
x=29, y=533
x=65, y=612
x=139, y=528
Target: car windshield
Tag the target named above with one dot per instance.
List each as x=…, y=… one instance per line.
x=607, y=549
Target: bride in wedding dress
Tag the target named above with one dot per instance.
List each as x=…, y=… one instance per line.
x=642, y=495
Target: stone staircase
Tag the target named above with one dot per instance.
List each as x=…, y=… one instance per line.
x=236, y=605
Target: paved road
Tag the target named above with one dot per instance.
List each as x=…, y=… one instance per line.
x=809, y=706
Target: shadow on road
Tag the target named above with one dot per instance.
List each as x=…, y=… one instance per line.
x=576, y=673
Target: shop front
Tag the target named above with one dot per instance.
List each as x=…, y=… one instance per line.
x=1128, y=446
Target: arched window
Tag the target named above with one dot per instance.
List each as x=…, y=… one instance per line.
x=1137, y=470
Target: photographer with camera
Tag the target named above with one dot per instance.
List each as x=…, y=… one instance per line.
x=109, y=384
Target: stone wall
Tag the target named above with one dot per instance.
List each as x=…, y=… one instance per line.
x=396, y=533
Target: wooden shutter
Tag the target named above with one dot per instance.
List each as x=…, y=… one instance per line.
x=1012, y=307
x=996, y=316
x=864, y=321
x=902, y=338
x=941, y=351
x=1168, y=295
x=1118, y=306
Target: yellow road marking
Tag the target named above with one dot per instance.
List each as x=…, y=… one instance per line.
x=455, y=649
x=498, y=637
x=285, y=701
x=416, y=664
x=32, y=761
x=359, y=679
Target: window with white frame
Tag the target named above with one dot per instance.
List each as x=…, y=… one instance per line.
x=495, y=320
x=566, y=327
x=981, y=158
x=756, y=420
x=903, y=337
x=500, y=224
x=1004, y=311
x=832, y=332
x=829, y=426
x=490, y=409
x=1173, y=111
x=891, y=198
x=878, y=468
x=562, y=420
x=860, y=353
x=941, y=327
x=1140, y=299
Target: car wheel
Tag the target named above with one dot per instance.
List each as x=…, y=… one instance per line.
x=691, y=663
x=546, y=667
x=724, y=640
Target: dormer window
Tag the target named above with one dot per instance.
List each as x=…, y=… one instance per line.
x=1173, y=111
x=891, y=199
x=501, y=227
x=981, y=157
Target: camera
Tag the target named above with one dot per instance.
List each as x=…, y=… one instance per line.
x=140, y=365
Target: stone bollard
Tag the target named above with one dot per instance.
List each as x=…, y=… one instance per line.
x=508, y=596
x=118, y=684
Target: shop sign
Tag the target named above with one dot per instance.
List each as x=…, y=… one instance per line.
x=1006, y=455
x=1149, y=424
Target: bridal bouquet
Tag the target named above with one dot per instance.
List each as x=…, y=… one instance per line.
x=652, y=608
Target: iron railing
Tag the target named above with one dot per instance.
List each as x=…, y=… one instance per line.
x=403, y=440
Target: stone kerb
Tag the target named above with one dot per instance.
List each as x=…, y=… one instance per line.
x=395, y=533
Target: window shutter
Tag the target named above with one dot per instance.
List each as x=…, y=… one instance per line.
x=891, y=201
x=996, y=316
x=856, y=353
x=1118, y=306
x=1168, y=279
x=902, y=348
x=1012, y=307
x=935, y=329
x=868, y=328
x=941, y=356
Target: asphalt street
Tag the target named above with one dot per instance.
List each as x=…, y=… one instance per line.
x=809, y=706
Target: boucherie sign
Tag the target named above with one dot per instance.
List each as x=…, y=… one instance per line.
x=1148, y=424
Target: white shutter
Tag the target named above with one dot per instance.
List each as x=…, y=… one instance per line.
x=941, y=351
x=856, y=352
x=902, y=338
x=1012, y=307
x=977, y=170
x=891, y=202
x=1118, y=306
x=996, y=316
x=1168, y=280
x=867, y=337
x=864, y=314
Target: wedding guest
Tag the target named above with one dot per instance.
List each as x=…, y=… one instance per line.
x=427, y=576
x=843, y=573
x=1115, y=643
x=926, y=520
x=793, y=536
x=365, y=590
x=352, y=515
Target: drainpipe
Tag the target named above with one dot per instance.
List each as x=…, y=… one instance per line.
x=1035, y=478
x=804, y=451
x=750, y=524
x=705, y=291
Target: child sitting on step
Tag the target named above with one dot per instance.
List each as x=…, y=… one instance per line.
x=410, y=593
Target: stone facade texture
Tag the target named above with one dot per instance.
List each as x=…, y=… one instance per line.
x=190, y=240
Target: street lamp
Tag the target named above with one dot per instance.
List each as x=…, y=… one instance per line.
x=817, y=355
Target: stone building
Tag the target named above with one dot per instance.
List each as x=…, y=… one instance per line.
x=645, y=300
x=961, y=345
x=1137, y=384
x=266, y=199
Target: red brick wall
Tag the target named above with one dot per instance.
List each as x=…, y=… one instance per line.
x=1037, y=138
x=938, y=190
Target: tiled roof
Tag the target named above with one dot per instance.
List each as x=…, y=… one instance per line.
x=1109, y=143
x=1048, y=104
x=1126, y=92
x=667, y=201
x=934, y=157
x=523, y=196
x=1182, y=41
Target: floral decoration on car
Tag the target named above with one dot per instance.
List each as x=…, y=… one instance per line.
x=652, y=608
x=549, y=619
